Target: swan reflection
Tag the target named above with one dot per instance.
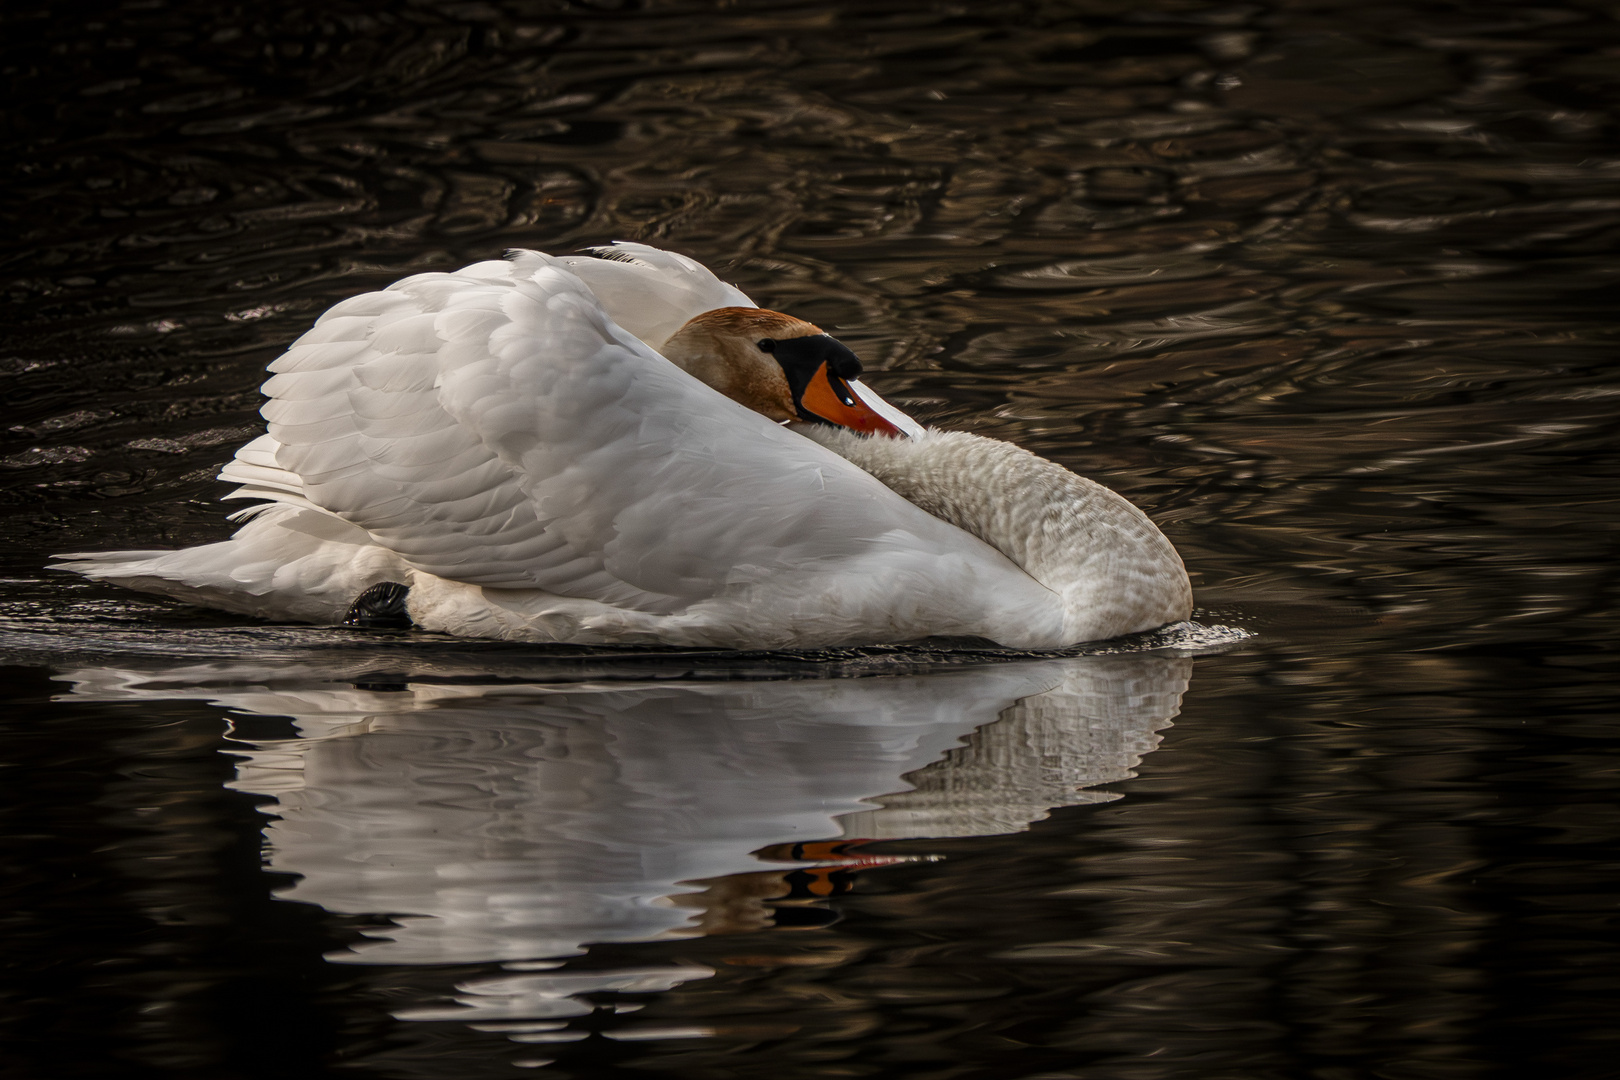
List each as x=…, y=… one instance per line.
x=516, y=820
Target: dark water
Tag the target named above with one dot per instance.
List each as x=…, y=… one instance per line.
x=1329, y=289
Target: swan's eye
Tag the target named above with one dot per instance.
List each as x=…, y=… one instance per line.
x=766, y=344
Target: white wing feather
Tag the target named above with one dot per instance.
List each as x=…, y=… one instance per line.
x=496, y=427
x=649, y=292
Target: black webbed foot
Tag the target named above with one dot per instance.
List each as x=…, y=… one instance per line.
x=381, y=607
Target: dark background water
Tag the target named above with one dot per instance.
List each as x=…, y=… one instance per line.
x=1327, y=288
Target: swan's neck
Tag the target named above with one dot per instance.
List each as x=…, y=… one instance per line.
x=1116, y=572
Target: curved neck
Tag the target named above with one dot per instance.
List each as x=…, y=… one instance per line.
x=1115, y=571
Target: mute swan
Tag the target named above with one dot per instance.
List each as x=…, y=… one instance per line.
x=508, y=451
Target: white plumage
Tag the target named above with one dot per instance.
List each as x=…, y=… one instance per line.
x=508, y=442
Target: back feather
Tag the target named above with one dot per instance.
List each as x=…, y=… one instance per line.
x=649, y=292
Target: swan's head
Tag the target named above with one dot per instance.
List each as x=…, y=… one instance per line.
x=784, y=368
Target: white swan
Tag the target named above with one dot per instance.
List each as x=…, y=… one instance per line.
x=510, y=444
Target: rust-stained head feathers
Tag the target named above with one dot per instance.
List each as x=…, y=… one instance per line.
x=724, y=348
x=781, y=367
x=743, y=321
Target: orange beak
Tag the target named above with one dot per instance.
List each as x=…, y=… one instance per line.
x=831, y=398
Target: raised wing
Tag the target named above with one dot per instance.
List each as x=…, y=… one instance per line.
x=494, y=426
x=649, y=292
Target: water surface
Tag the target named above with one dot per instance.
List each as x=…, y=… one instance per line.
x=1327, y=289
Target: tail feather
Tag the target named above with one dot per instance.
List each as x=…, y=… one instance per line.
x=287, y=562
x=97, y=563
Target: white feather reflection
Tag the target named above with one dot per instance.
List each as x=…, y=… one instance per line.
x=524, y=820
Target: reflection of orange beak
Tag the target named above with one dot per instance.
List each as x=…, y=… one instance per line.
x=830, y=398
x=841, y=852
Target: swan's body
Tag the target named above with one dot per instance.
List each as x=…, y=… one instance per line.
x=509, y=443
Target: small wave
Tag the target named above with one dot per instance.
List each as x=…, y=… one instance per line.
x=102, y=630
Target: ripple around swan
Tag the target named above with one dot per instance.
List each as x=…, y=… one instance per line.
x=49, y=631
